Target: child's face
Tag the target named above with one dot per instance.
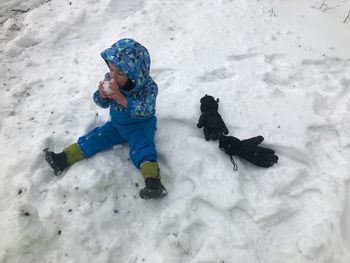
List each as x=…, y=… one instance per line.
x=117, y=75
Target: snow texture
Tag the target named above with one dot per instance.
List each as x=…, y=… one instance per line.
x=281, y=69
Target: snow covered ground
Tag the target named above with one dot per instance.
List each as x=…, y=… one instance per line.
x=281, y=68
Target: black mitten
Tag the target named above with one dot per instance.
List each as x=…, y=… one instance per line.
x=248, y=150
x=210, y=119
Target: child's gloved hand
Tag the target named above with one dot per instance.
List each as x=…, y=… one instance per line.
x=210, y=119
x=249, y=150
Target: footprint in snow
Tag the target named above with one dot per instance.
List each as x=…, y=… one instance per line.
x=215, y=75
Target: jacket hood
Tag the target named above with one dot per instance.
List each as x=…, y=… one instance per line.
x=131, y=58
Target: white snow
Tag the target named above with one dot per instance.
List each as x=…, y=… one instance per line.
x=281, y=68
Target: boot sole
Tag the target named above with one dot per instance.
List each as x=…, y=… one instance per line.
x=147, y=193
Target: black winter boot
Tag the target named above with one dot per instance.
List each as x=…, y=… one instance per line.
x=57, y=161
x=153, y=190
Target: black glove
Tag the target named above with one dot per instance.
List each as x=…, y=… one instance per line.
x=210, y=119
x=248, y=150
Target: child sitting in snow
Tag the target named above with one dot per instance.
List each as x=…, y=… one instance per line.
x=131, y=103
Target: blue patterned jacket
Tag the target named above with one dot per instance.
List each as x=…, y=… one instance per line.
x=132, y=59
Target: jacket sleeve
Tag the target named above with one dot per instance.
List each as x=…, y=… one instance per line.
x=143, y=104
x=100, y=102
x=97, y=98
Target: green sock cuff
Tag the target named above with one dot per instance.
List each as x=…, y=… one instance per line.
x=73, y=153
x=150, y=170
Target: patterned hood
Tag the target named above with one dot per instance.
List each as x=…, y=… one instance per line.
x=131, y=58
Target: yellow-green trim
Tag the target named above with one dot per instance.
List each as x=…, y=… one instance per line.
x=150, y=170
x=73, y=153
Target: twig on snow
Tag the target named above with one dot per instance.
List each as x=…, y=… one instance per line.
x=324, y=6
x=329, y=8
x=21, y=10
x=347, y=17
x=14, y=27
x=272, y=12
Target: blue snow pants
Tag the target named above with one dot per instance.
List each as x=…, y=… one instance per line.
x=139, y=136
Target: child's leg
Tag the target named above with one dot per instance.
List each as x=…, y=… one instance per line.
x=95, y=141
x=154, y=188
x=150, y=169
x=142, y=146
x=144, y=156
x=60, y=161
x=73, y=154
x=99, y=139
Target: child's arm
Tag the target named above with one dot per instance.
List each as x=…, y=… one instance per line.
x=101, y=102
x=100, y=96
x=145, y=104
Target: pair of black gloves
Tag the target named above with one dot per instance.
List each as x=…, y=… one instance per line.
x=215, y=128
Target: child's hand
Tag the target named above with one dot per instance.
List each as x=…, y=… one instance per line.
x=116, y=94
x=113, y=85
x=103, y=94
